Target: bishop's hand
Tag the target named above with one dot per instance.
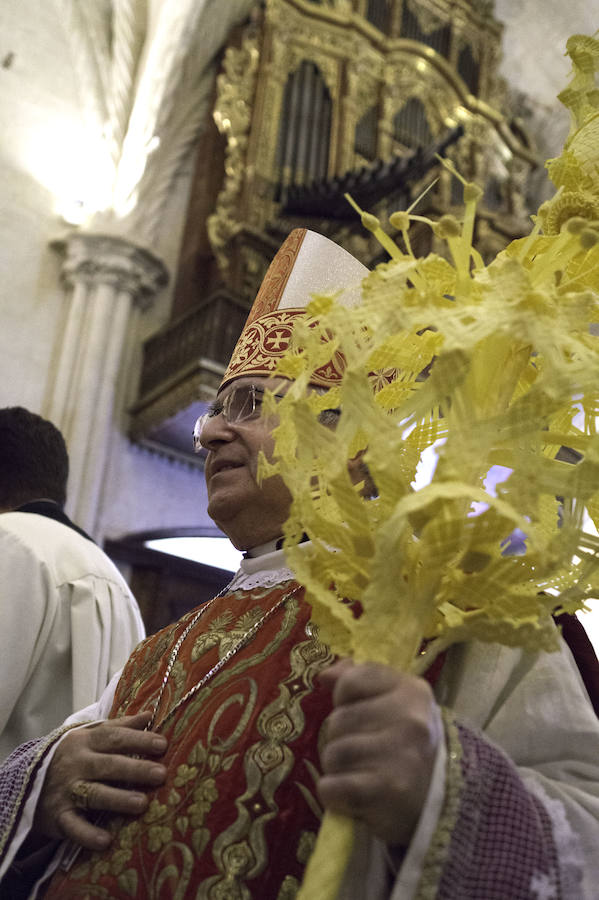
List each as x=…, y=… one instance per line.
x=381, y=742
x=97, y=768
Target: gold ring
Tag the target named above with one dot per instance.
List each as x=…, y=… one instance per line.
x=80, y=794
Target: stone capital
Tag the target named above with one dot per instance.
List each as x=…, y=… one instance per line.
x=104, y=259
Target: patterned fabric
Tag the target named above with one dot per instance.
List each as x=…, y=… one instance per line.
x=495, y=839
x=266, y=340
x=238, y=815
x=305, y=265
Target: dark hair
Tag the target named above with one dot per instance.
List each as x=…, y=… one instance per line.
x=34, y=462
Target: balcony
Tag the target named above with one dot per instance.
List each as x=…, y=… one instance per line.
x=182, y=367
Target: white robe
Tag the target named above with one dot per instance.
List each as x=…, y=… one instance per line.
x=530, y=708
x=68, y=622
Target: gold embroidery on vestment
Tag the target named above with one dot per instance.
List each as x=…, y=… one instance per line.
x=177, y=824
x=237, y=668
x=306, y=846
x=267, y=764
x=310, y=795
x=289, y=888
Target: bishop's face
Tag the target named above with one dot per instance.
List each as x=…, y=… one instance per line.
x=249, y=513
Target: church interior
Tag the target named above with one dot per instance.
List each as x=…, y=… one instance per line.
x=156, y=153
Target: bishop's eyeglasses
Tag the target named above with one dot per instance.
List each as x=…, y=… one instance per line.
x=243, y=404
x=240, y=405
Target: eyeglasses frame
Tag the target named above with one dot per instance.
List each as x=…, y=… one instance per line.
x=252, y=389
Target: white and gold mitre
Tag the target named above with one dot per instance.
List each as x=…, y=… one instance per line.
x=307, y=264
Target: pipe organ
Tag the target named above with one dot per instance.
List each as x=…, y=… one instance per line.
x=304, y=128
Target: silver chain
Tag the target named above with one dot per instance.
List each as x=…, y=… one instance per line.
x=177, y=647
x=241, y=643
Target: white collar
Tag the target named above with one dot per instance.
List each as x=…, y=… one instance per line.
x=265, y=570
x=261, y=549
x=275, y=559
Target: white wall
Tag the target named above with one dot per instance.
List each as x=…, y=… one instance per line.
x=38, y=108
x=146, y=492
x=43, y=133
x=535, y=35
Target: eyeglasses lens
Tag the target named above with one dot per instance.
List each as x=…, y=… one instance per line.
x=240, y=404
x=197, y=431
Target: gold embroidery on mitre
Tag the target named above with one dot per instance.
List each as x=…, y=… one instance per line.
x=275, y=281
x=262, y=343
x=264, y=338
x=265, y=342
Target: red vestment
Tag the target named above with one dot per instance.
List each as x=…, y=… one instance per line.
x=239, y=813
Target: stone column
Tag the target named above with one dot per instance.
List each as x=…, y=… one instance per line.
x=105, y=277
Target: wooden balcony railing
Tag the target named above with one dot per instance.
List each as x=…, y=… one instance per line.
x=209, y=332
